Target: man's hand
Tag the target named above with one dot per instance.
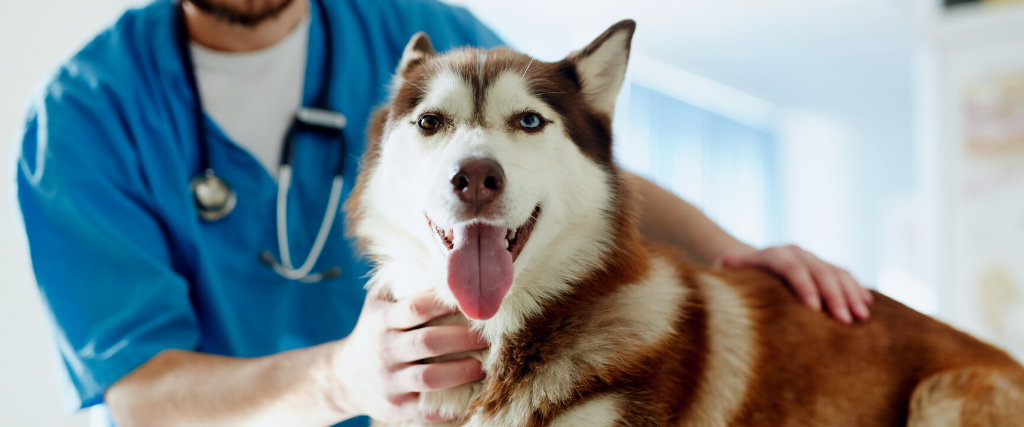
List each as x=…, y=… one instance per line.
x=813, y=280
x=379, y=363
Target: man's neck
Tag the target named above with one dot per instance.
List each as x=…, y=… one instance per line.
x=218, y=34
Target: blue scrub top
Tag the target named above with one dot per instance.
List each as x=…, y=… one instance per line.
x=124, y=263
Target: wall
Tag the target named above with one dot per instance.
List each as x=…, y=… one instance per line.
x=970, y=101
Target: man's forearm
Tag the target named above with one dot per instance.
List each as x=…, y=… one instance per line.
x=669, y=219
x=179, y=388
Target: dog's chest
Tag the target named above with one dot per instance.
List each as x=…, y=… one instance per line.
x=575, y=364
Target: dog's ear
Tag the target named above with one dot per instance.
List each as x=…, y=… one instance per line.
x=418, y=50
x=601, y=65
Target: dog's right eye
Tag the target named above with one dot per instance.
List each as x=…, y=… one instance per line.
x=429, y=122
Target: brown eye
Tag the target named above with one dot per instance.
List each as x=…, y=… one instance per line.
x=429, y=122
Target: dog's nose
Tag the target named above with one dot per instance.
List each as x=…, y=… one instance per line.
x=478, y=181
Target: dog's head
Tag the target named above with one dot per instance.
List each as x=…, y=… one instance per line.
x=488, y=166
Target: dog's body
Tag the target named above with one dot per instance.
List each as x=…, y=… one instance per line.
x=488, y=166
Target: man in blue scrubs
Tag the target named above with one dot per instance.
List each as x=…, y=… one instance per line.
x=168, y=319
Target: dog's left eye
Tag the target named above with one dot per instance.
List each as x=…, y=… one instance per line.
x=530, y=121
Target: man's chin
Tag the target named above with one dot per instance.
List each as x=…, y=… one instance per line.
x=236, y=12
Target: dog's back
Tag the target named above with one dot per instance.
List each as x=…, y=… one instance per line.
x=899, y=368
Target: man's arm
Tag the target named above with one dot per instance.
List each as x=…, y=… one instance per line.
x=668, y=219
x=187, y=388
x=374, y=371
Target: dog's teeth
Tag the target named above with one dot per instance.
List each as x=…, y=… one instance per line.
x=506, y=244
x=449, y=234
x=512, y=235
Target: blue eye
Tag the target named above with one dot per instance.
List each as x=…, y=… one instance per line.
x=530, y=121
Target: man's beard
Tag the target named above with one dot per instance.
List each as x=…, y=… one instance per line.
x=235, y=16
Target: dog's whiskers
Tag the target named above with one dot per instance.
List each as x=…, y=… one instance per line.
x=417, y=87
x=397, y=77
x=527, y=68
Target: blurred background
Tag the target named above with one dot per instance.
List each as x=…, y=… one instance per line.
x=885, y=136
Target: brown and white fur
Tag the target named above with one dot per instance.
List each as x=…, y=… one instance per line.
x=603, y=328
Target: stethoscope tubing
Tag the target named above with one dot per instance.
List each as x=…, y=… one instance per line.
x=318, y=118
x=285, y=268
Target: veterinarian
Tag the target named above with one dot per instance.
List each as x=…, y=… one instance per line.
x=194, y=279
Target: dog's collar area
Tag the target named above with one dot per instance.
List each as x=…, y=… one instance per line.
x=515, y=238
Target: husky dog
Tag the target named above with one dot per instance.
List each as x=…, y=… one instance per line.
x=489, y=178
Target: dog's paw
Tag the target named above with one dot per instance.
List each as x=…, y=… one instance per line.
x=450, y=403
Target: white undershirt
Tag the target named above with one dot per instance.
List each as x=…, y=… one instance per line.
x=253, y=96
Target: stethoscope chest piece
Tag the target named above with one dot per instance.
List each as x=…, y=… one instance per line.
x=213, y=197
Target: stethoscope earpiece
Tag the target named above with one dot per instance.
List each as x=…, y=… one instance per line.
x=213, y=197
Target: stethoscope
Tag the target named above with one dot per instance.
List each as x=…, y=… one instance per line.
x=213, y=196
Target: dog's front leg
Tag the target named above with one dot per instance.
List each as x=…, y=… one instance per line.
x=452, y=403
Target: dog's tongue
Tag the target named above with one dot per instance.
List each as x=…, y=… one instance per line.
x=479, y=269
